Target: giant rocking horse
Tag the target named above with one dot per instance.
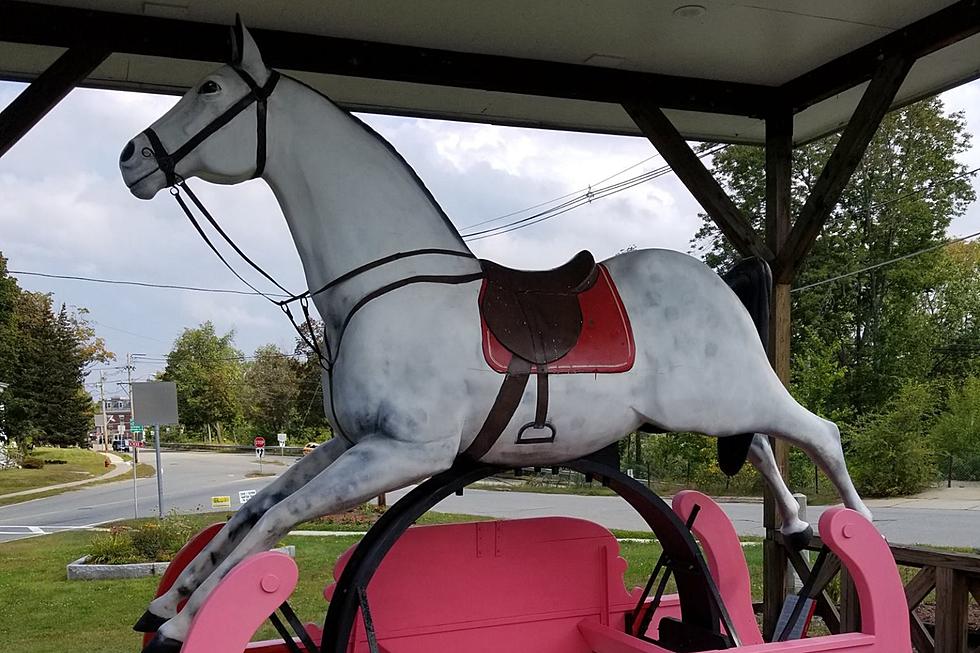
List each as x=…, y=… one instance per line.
x=428, y=352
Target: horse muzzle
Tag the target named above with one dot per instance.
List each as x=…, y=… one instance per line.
x=140, y=169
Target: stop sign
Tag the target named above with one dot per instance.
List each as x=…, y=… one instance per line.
x=259, y=442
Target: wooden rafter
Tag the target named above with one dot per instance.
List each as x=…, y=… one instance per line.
x=698, y=179
x=45, y=92
x=42, y=24
x=843, y=162
x=936, y=31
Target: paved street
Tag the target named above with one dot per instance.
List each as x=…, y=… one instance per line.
x=191, y=479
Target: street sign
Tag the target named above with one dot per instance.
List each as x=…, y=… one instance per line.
x=282, y=439
x=259, y=452
x=221, y=502
x=139, y=444
x=259, y=442
x=134, y=427
x=245, y=495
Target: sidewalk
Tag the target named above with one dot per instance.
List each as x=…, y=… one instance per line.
x=964, y=495
x=121, y=467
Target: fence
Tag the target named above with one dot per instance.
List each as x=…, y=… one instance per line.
x=948, y=579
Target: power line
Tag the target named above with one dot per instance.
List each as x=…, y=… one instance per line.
x=888, y=262
x=560, y=197
x=925, y=189
x=585, y=198
x=141, y=284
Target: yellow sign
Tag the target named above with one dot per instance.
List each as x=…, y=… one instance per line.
x=221, y=502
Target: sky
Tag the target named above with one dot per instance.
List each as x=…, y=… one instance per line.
x=65, y=210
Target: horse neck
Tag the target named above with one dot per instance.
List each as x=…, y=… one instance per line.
x=348, y=198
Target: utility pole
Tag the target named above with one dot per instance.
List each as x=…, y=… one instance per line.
x=105, y=423
x=132, y=439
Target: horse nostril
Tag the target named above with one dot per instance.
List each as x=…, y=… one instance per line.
x=127, y=152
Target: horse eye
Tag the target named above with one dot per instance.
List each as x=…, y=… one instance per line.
x=208, y=87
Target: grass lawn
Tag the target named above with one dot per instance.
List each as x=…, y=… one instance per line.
x=142, y=471
x=50, y=613
x=80, y=464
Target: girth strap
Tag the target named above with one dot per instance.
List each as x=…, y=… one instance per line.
x=503, y=409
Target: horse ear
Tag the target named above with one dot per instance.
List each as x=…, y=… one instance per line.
x=245, y=53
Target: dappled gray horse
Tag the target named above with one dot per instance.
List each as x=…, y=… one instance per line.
x=409, y=384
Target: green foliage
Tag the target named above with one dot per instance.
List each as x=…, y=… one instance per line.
x=272, y=390
x=882, y=327
x=956, y=433
x=208, y=372
x=147, y=541
x=43, y=357
x=30, y=462
x=889, y=453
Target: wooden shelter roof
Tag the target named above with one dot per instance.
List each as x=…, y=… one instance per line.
x=717, y=67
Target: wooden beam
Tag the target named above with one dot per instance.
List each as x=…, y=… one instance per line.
x=843, y=161
x=779, y=150
x=699, y=181
x=934, y=32
x=43, y=24
x=45, y=92
x=919, y=587
x=951, y=611
x=850, y=604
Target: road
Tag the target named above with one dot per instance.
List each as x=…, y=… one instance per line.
x=191, y=479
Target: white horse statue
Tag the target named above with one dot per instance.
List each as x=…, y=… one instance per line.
x=407, y=383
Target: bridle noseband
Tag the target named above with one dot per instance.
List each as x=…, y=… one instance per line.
x=167, y=161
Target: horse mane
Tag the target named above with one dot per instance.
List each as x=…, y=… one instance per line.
x=391, y=149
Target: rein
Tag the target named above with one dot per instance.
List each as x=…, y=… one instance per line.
x=167, y=163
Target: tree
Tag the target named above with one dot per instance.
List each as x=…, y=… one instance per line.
x=899, y=201
x=956, y=434
x=208, y=372
x=43, y=356
x=312, y=423
x=890, y=453
x=272, y=389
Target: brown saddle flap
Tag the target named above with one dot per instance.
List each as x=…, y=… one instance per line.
x=536, y=315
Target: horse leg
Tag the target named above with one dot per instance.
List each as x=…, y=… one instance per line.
x=794, y=528
x=374, y=465
x=820, y=439
x=164, y=606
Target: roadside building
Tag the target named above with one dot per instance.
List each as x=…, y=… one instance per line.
x=118, y=416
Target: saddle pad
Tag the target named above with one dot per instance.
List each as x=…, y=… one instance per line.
x=605, y=344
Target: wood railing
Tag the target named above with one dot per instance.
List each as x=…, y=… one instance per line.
x=949, y=578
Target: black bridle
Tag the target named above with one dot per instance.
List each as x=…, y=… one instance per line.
x=258, y=95
x=167, y=162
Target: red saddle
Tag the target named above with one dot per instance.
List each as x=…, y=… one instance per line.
x=605, y=339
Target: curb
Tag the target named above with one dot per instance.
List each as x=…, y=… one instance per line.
x=79, y=570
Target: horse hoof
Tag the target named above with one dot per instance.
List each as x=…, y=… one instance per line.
x=149, y=623
x=163, y=644
x=800, y=540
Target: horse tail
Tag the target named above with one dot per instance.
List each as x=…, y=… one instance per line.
x=751, y=281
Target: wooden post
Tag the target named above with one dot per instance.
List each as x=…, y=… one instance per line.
x=779, y=151
x=951, y=615
x=850, y=607
x=45, y=92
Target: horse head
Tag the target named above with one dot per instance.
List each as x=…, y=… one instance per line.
x=216, y=131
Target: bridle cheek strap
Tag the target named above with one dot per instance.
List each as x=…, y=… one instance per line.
x=167, y=161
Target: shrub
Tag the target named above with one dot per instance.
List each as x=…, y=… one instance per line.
x=889, y=454
x=957, y=431
x=149, y=541
x=114, y=547
x=31, y=462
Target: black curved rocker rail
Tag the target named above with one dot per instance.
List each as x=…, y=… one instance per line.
x=704, y=623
